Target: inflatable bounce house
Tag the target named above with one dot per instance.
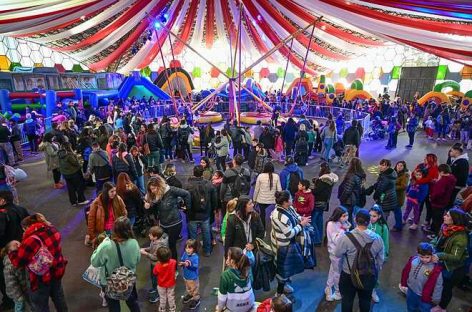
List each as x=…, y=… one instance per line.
x=439, y=96
x=357, y=92
x=174, y=80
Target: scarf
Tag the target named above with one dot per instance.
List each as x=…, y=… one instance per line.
x=448, y=230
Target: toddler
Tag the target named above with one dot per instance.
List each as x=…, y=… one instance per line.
x=15, y=280
x=165, y=272
x=158, y=239
x=429, y=127
x=189, y=262
x=304, y=200
x=415, y=194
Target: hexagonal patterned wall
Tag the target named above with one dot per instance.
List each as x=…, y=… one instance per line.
x=30, y=54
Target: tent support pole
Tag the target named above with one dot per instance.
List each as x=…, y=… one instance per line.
x=286, y=68
x=165, y=72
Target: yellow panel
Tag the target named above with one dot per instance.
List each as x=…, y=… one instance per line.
x=38, y=65
x=4, y=62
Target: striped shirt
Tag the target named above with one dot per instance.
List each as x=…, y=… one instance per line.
x=285, y=226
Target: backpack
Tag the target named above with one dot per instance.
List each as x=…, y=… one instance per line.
x=241, y=185
x=364, y=262
x=197, y=195
x=184, y=135
x=42, y=259
x=121, y=282
x=86, y=153
x=292, y=182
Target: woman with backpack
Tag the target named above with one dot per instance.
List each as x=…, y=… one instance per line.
x=184, y=136
x=122, y=161
x=71, y=169
x=267, y=183
x=222, y=149
x=131, y=196
x=118, y=254
x=165, y=202
x=244, y=226
x=152, y=146
x=50, y=149
x=350, y=193
x=286, y=225
x=41, y=244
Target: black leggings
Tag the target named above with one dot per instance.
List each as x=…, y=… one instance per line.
x=173, y=232
x=56, y=174
x=448, y=284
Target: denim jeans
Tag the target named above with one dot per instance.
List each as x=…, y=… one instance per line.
x=132, y=220
x=132, y=303
x=140, y=184
x=414, y=303
x=327, y=145
x=398, y=218
x=205, y=227
x=153, y=160
x=317, y=223
x=40, y=297
x=153, y=278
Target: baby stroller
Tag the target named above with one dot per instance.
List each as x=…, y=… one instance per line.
x=348, y=154
x=338, y=148
x=377, y=132
x=212, y=154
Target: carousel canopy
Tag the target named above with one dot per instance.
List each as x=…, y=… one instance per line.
x=123, y=35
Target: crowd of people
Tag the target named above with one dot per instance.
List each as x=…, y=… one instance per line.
x=227, y=198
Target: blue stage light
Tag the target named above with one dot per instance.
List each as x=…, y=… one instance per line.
x=157, y=25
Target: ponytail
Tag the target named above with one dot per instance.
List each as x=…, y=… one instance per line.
x=241, y=260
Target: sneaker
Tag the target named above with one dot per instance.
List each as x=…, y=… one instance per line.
x=85, y=202
x=402, y=289
x=438, y=309
x=337, y=295
x=194, y=304
x=154, y=299
x=329, y=294
x=409, y=146
x=431, y=237
x=187, y=298
x=288, y=289
x=375, y=297
x=206, y=254
x=152, y=291
x=404, y=222
x=426, y=223
x=413, y=227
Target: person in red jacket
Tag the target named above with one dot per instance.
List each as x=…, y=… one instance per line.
x=39, y=233
x=165, y=273
x=304, y=201
x=440, y=195
x=430, y=167
x=276, y=304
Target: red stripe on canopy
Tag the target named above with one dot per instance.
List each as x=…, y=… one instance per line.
x=210, y=23
x=125, y=45
x=465, y=8
x=434, y=26
x=227, y=18
x=187, y=28
x=101, y=34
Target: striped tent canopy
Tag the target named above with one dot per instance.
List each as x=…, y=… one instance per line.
x=123, y=35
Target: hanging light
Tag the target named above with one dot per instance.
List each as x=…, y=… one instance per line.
x=157, y=25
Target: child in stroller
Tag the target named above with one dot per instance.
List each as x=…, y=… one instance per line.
x=378, y=130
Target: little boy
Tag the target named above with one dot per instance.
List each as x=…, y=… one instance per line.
x=422, y=280
x=165, y=272
x=304, y=201
x=189, y=262
x=158, y=239
x=429, y=127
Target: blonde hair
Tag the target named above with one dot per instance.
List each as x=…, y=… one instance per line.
x=231, y=205
x=158, y=182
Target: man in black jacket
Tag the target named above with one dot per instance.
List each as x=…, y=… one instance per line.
x=10, y=229
x=204, y=201
x=459, y=162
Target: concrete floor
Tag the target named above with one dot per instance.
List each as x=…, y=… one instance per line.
x=37, y=195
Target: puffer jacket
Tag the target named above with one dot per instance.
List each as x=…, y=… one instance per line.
x=222, y=148
x=68, y=163
x=452, y=250
x=50, y=152
x=350, y=190
x=167, y=209
x=261, y=160
x=385, y=194
x=15, y=280
x=400, y=186
x=235, y=235
x=124, y=165
x=154, y=140
x=96, y=217
x=324, y=187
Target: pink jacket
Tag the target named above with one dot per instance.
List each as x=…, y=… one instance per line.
x=279, y=145
x=334, y=231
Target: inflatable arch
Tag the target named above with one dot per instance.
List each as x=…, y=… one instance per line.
x=437, y=95
x=179, y=80
x=357, y=91
x=339, y=88
x=306, y=86
x=447, y=84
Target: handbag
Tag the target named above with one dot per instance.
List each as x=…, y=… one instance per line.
x=42, y=259
x=92, y=276
x=146, y=149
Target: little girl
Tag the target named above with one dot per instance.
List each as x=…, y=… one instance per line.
x=415, y=194
x=276, y=153
x=15, y=281
x=230, y=209
x=235, y=293
x=429, y=127
x=217, y=180
x=335, y=227
x=165, y=272
x=189, y=263
x=379, y=226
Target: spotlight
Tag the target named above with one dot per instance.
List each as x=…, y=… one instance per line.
x=166, y=16
x=157, y=25
x=259, y=17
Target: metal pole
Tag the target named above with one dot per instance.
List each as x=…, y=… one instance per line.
x=286, y=68
x=165, y=72
x=240, y=50
x=173, y=57
x=302, y=73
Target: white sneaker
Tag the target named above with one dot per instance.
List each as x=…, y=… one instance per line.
x=402, y=289
x=85, y=202
x=375, y=297
x=104, y=301
x=329, y=294
x=288, y=289
x=413, y=227
x=337, y=295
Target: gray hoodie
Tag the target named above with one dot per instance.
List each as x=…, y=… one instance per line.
x=345, y=248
